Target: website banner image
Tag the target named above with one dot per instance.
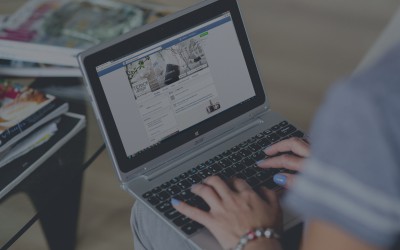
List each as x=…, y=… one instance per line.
x=167, y=66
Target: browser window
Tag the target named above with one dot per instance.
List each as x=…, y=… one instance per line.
x=170, y=86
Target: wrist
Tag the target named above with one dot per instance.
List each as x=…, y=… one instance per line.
x=258, y=237
x=263, y=243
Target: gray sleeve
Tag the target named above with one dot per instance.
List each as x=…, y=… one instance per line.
x=352, y=178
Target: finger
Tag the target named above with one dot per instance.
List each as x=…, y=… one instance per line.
x=270, y=195
x=284, y=180
x=192, y=212
x=219, y=186
x=209, y=195
x=287, y=161
x=294, y=144
x=240, y=185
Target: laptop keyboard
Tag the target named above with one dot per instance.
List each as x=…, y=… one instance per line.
x=238, y=161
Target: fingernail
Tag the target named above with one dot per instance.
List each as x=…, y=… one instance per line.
x=259, y=162
x=194, y=186
x=175, y=202
x=280, y=179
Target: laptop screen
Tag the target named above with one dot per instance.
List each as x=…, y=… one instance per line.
x=160, y=88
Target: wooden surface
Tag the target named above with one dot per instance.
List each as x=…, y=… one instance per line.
x=301, y=47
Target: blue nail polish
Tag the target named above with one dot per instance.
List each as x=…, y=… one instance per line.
x=258, y=162
x=280, y=179
x=175, y=202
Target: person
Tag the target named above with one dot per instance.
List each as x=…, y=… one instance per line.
x=348, y=189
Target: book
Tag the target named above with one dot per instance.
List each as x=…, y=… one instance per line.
x=31, y=141
x=24, y=109
x=55, y=31
x=17, y=170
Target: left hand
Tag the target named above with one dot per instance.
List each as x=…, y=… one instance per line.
x=233, y=210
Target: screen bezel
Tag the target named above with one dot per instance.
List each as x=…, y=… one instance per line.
x=152, y=36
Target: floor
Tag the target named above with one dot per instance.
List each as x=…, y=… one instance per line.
x=301, y=47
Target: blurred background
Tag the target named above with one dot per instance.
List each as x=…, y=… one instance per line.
x=301, y=47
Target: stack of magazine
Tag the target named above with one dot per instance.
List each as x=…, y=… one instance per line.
x=43, y=37
x=28, y=118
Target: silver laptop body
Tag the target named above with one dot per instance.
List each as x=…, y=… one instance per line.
x=171, y=95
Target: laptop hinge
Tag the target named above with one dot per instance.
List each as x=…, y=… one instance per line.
x=189, y=155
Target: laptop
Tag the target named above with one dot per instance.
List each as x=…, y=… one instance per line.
x=179, y=100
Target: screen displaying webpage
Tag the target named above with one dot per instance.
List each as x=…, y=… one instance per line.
x=162, y=90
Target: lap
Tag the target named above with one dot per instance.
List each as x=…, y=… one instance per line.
x=150, y=232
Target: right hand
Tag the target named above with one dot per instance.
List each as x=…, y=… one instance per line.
x=295, y=151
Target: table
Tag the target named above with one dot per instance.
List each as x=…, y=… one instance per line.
x=54, y=188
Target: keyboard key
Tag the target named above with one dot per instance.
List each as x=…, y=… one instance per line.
x=264, y=143
x=215, y=168
x=237, y=167
x=235, y=149
x=181, y=220
x=190, y=228
x=283, y=124
x=166, y=185
x=258, y=156
x=172, y=213
x=298, y=134
x=267, y=132
x=195, y=179
x=201, y=166
x=248, y=172
x=254, y=147
x=192, y=171
x=209, y=162
x=245, y=152
x=173, y=190
x=248, y=161
x=260, y=136
x=153, y=200
x=275, y=128
x=184, y=184
x=251, y=140
x=286, y=130
x=225, y=162
x=227, y=172
x=183, y=176
x=147, y=194
x=235, y=157
x=156, y=190
x=205, y=173
x=263, y=175
x=217, y=158
x=164, y=206
x=226, y=153
x=174, y=180
x=185, y=195
x=163, y=195
x=273, y=137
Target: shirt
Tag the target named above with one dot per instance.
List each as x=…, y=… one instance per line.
x=352, y=178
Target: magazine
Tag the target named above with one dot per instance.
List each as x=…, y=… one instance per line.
x=12, y=68
x=55, y=31
x=23, y=110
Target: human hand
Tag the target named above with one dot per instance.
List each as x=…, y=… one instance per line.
x=296, y=150
x=234, y=210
